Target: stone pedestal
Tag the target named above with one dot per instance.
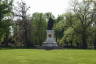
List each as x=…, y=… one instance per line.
x=50, y=41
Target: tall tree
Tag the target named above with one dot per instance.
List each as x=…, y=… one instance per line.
x=24, y=23
x=83, y=12
x=5, y=19
x=39, y=26
x=59, y=28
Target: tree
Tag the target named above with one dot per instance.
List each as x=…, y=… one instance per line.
x=94, y=23
x=59, y=28
x=39, y=26
x=5, y=19
x=85, y=15
x=77, y=26
x=23, y=23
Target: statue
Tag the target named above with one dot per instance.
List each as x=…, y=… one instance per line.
x=50, y=23
x=50, y=41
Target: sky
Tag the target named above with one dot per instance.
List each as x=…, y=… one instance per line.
x=57, y=7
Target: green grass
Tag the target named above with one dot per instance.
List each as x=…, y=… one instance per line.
x=35, y=56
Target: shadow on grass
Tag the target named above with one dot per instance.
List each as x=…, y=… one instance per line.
x=40, y=48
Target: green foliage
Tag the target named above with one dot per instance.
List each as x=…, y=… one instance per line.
x=39, y=26
x=5, y=12
x=77, y=26
x=59, y=27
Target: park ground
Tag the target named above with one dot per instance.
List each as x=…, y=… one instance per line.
x=41, y=56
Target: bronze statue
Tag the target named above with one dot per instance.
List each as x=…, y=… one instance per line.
x=50, y=23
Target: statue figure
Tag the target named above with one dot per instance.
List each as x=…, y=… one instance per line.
x=50, y=23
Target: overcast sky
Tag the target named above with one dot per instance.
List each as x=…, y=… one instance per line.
x=57, y=7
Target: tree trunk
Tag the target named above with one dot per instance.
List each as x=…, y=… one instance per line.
x=84, y=42
x=94, y=44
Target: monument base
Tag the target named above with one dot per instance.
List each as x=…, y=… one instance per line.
x=45, y=44
x=50, y=41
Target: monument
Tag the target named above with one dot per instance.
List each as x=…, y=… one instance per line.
x=50, y=40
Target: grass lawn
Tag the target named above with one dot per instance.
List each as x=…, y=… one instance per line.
x=35, y=56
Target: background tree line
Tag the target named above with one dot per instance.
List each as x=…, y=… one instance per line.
x=73, y=29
